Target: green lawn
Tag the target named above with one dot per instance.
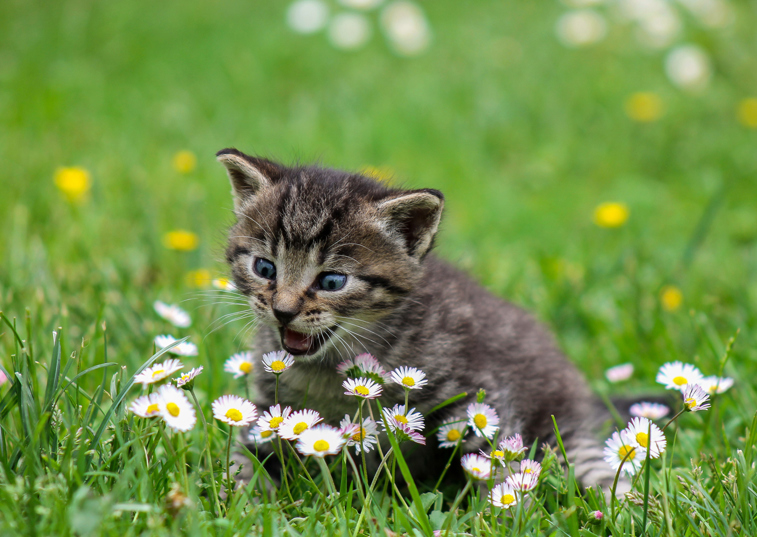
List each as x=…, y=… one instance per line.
x=525, y=137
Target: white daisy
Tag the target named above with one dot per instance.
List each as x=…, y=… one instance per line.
x=362, y=387
x=273, y=418
x=367, y=433
x=186, y=380
x=715, y=384
x=224, y=284
x=259, y=436
x=277, y=362
x=409, y=378
x=397, y=416
x=320, y=441
x=173, y=314
x=158, y=372
x=240, y=364
x=639, y=434
x=675, y=375
x=529, y=467
x=146, y=406
x=234, y=410
x=513, y=447
x=619, y=373
x=363, y=365
x=496, y=455
x=476, y=466
x=695, y=398
x=185, y=348
x=652, y=411
x=451, y=431
x=297, y=422
x=404, y=433
x=483, y=419
x=175, y=408
x=619, y=447
x=503, y=495
x=522, y=481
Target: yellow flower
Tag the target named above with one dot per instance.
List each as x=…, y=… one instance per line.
x=611, y=214
x=199, y=278
x=644, y=107
x=747, y=112
x=73, y=182
x=184, y=161
x=181, y=239
x=671, y=297
x=382, y=173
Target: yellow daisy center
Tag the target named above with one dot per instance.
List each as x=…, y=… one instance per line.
x=624, y=451
x=357, y=437
x=498, y=454
x=246, y=367
x=453, y=435
x=300, y=427
x=642, y=439
x=152, y=408
x=223, y=282
x=408, y=381
x=278, y=366
x=266, y=434
x=400, y=418
x=528, y=471
x=713, y=388
x=690, y=402
x=321, y=445
x=362, y=390
x=233, y=414
x=275, y=422
x=158, y=372
x=680, y=381
x=173, y=409
x=507, y=499
x=480, y=421
x=475, y=470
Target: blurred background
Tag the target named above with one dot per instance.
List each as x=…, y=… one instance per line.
x=598, y=156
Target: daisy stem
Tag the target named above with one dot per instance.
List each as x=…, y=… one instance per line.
x=276, y=392
x=407, y=399
x=449, y=462
x=448, y=522
x=362, y=446
x=207, y=448
x=330, y=485
x=307, y=474
x=369, y=493
x=284, y=471
x=229, y=485
x=613, y=498
x=674, y=418
x=169, y=445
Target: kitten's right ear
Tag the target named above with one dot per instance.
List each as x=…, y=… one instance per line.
x=248, y=175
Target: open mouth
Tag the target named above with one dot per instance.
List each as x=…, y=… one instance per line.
x=299, y=344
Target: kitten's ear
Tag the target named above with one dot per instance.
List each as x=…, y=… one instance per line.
x=414, y=216
x=248, y=175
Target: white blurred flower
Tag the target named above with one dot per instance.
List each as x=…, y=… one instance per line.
x=239, y=364
x=175, y=408
x=581, y=28
x=260, y=436
x=582, y=3
x=522, y=481
x=406, y=28
x=652, y=411
x=688, y=67
x=185, y=348
x=224, y=284
x=361, y=4
x=676, y=375
x=186, y=380
x=349, y=31
x=619, y=373
x=158, y=372
x=320, y=441
x=659, y=27
x=146, y=406
x=715, y=384
x=307, y=16
x=477, y=466
x=712, y=13
x=173, y=314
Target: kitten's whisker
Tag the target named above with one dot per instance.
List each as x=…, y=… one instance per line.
x=348, y=319
x=356, y=337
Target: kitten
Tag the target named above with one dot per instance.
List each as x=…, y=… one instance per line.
x=335, y=264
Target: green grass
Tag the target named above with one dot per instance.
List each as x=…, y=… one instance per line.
x=524, y=137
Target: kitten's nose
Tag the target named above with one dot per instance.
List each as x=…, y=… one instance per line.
x=285, y=316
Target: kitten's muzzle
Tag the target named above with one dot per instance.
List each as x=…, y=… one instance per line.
x=300, y=344
x=285, y=316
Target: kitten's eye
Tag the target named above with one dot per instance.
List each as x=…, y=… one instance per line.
x=329, y=281
x=265, y=268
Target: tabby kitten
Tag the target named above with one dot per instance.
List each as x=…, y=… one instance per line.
x=335, y=264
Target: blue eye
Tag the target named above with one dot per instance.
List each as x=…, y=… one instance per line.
x=329, y=281
x=265, y=268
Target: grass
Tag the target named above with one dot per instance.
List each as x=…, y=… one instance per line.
x=525, y=138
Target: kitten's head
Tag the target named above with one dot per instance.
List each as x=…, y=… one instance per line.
x=319, y=252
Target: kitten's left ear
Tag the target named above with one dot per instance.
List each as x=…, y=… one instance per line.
x=248, y=175
x=414, y=216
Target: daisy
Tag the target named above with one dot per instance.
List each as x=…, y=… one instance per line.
x=618, y=447
x=297, y=422
x=362, y=387
x=223, y=284
x=715, y=384
x=273, y=418
x=396, y=416
x=175, y=408
x=367, y=433
x=240, y=364
x=158, y=372
x=513, y=447
x=619, y=373
x=185, y=348
x=363, y=365
x=451, y=431
x=532, y=468
x=277, y=362
x=409, y=378
x=639, y=433
x=320, y=441
x=503, y=495
x=173, y=314
x=495, y=455
x=259, y=436
x=695, y=398
x=652, y=411
x=234, y=410
x=483, y=419
x=476, y=466
x=675, y=375
x=186, y=380
x=146, y=406
x=522, y=481
x=404, y=434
